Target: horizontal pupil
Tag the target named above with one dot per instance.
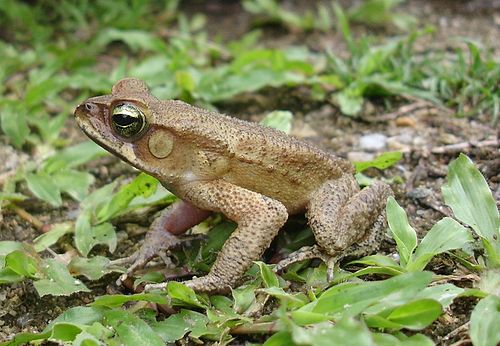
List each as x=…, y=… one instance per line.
x=124, y=120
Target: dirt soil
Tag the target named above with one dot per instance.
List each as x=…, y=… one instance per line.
x=429, y=137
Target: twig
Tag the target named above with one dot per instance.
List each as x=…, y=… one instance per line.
x=23, y=214
x=464, y=327
x=454, y=148
x=257, y=328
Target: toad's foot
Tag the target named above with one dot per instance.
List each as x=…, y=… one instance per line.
x=306, y=253
x=161, y=237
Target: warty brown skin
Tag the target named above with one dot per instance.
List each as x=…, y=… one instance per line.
x=254, y=175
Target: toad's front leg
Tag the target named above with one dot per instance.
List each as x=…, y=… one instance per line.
x=259, y=219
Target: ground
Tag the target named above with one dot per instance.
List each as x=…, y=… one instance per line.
x=429, y=138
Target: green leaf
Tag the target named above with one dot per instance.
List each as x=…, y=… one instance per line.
x=280, y=120
x=484, y=322
x=180, y=324
x=22, y=263
x=445, y=235
x=143, y=185
x=131, y=330
x=468, y=194
x=74, y=183
x=44, y=188
x=444, y=293
x=347, y=331
x=470, y=198
x=349, y=102
x=402, y=232
x=86, y=339
x=243, y=297
x=382, y=161
x=93, y=268
x=268, y=276
x=116, y=300
x=416, y=315
x=380, y=294
x=184, y=294
x=8, y=246
x=65, y=331
x=59, y=282
x=51, y=237
x=13, y=121
x=280, y=339
x=382, y=339
x=87, y=236
x=80, y=314
x=73, y=156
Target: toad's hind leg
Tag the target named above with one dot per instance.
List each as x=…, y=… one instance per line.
x=340, y=215
x=345, y=221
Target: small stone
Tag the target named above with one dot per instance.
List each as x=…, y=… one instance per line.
x=419, y=193
x=360, y=156
x=405, y=122
x=373, y=142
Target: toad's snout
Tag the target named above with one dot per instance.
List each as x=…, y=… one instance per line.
x=86, y=108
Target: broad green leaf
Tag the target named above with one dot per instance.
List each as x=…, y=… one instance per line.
x=382, y=161
x=243, y=297
x=176, y=326
x=303, y=318
x=86, y=339
x=73, y=156
x=444, y=293
x=143, y=185
x=131, y=330
x=59, y=282
x=280, y=339
x=51, y=237
x=116, y=300
x=42, y=90
x=8, y=246
x=185, y=80
x=280, y=120
x=79, y=314
x=184, y=294
x=402, y=232
x=22, y=263
x=381, y=294
x=44, y=188
x=347, y=331
x=350, y=104
x=93, y=268
x=74, y=183
x=25, y=338
x=13, y=124
x=468, y=194
x=484, y=322
x=445, y=235
x=134, y=39
x=490, y=281
x=416, y=315
x=63, y=331
x=382, y=339
x=88, y=236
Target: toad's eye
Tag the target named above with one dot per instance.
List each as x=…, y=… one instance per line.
x=128, y=120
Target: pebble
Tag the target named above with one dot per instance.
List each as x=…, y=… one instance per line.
x=419, y=193
x=405, y=122
x=373, y=142
x=360, y=156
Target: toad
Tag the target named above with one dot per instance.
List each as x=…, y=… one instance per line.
x=256, y=176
